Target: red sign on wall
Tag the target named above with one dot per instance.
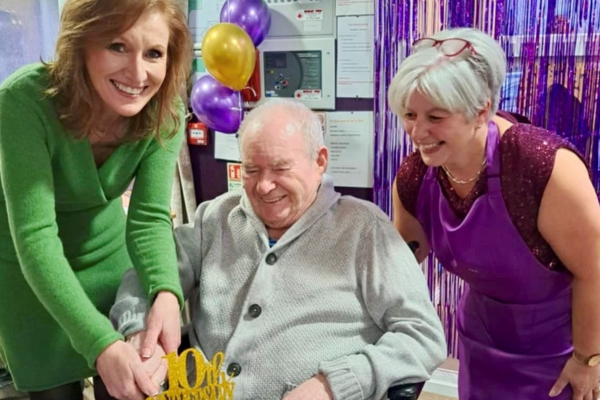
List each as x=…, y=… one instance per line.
x=234, y=171
x=234, y=176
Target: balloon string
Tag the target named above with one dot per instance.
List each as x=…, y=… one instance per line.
x=240, y=105
x=251, y=89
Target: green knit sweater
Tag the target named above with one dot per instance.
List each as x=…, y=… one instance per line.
x=65, y=240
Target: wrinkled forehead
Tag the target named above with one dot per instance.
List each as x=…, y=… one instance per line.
x=263, y=136
x=262, y=129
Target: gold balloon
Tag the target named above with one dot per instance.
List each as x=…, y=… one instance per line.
x=229, y=55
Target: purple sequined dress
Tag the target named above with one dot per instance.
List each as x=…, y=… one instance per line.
x=514, y=319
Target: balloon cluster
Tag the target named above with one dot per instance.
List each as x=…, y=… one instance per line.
x=229, y=54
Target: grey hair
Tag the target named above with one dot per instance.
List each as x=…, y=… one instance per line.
x=296, y=116
x=462, y=83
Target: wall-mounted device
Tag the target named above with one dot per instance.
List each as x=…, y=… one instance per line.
x=197, y=134
x=303, y=69
x=293, y=18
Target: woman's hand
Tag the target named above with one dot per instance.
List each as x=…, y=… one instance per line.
x=123, y=373
x=583, y=379
x=163, y=325
x=156, y=365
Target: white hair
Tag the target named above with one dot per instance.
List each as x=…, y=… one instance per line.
x=294, y=117
x=461, y=83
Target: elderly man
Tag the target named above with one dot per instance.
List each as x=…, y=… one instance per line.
x=310, y=295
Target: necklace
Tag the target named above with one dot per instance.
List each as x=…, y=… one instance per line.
x=461, y=182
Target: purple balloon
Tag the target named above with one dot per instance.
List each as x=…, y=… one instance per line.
x=216, y=105
x=252, y=15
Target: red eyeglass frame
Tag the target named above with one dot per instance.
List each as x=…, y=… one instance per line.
x=437, y=43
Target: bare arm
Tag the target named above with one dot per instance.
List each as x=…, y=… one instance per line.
x=569, y=220
x=410, y=229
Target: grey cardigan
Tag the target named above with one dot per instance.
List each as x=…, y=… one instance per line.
x=340, y=293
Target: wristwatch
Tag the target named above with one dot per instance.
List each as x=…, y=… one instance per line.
x=591, y=361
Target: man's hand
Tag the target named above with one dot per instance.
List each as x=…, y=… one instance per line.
x=155, y=366
x=163, y=325
x=123, y=373
x=315, y=388
x=583, y=380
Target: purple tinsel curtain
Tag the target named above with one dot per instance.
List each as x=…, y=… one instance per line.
x=553, y=52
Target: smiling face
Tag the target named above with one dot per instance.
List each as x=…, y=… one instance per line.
x=442, y=137
x=280, y=178
x=130, y=70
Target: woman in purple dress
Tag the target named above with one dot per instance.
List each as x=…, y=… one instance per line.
x=509, y=208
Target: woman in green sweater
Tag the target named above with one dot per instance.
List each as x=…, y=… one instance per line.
x=74, y=133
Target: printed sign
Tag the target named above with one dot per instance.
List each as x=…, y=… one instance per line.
x=234, y=176
x=308, y=94
x=310, y=15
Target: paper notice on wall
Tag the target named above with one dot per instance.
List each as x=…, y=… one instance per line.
x=203, y=14
x=355, y=57
x=226, y=147
x=350, y=139
x=355, y=7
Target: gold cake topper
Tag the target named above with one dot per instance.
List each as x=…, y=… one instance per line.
x=210, y=384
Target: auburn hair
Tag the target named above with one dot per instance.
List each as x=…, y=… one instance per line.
x=87, y=23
